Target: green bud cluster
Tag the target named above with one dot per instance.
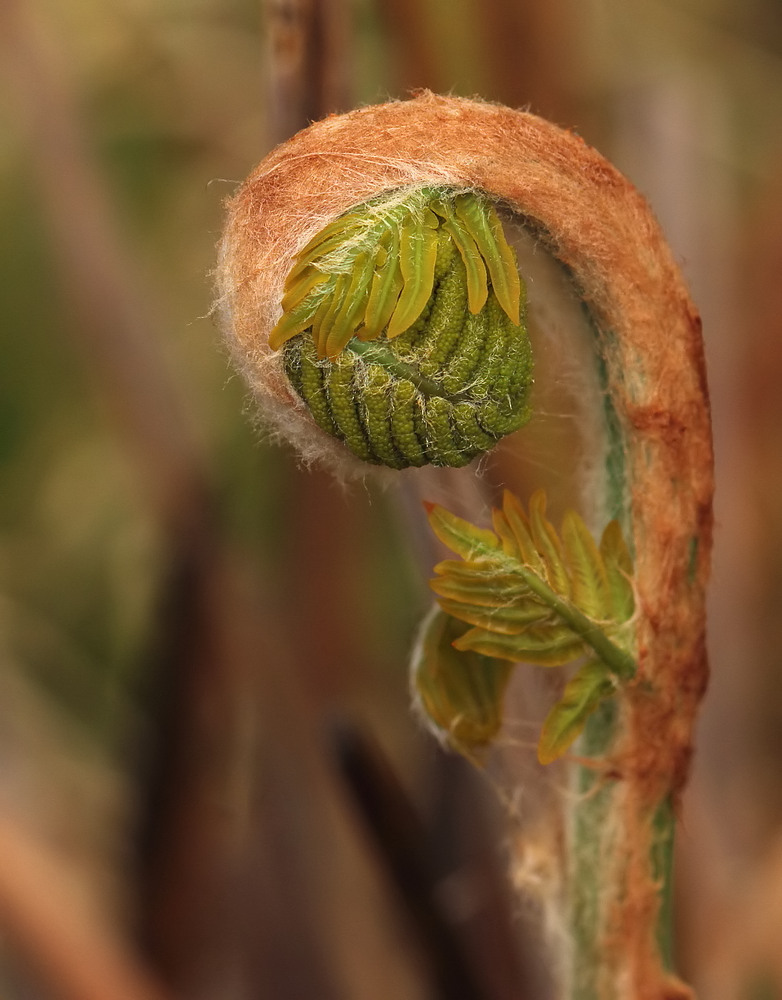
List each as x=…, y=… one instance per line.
x=403, y=330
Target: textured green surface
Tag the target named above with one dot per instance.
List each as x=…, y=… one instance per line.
x=402, y=330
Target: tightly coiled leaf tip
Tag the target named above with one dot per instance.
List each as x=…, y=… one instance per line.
x=402, y=329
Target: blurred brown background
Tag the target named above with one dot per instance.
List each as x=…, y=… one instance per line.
x=210, y=782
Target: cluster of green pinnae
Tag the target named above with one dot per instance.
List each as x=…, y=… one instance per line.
x=402, y=329
x=524, y=592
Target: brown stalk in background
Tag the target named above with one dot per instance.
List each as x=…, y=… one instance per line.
x=213, y=632
x=74, y=955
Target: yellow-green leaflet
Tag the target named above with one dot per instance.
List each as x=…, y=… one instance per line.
x=461, y=694
x=417, y=258
x=486, y=229
x=459, y=535
x=353, y=302
x=566, y=720
x=477, y=287
x=387, y=282
x=470, y=221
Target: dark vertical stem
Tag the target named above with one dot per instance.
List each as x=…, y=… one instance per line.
x=528, y=54
x=400, y=839
x=414, y=50
x=308, y=62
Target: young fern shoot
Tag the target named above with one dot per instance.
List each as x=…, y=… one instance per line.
x=370, y=295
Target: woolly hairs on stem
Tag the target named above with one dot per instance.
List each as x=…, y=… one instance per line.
x=648, y=340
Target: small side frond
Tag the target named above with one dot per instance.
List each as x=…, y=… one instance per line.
x=532, y=595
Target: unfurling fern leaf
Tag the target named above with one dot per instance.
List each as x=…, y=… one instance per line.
x=532, y=595
x=403, y=329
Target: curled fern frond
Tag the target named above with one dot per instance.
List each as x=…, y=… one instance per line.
x=402, y=329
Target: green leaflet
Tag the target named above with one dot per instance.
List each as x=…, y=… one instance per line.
x=421, y=282
x=510, y=619
x=460, y=693
x=400, y=239
x=586, y=569
x=417, y=259
x=459, y=535
x=619, y=570
x=548, y=645
x=474, y=266
x=485, y=228
x=532, y=595
x=547, y=545
x=339, y=331
x=387, y=282
x=488, y=590
x=566, y=720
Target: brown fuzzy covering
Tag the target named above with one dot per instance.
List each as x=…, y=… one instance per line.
x=602, y=230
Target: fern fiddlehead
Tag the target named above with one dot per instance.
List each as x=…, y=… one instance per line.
x=402, y=329
x=657, y=477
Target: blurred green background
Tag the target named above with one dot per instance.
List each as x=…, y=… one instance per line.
x=194, y=631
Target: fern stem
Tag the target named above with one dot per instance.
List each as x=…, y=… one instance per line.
x=662, y=866
x=595, y=840
x=589, y=833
